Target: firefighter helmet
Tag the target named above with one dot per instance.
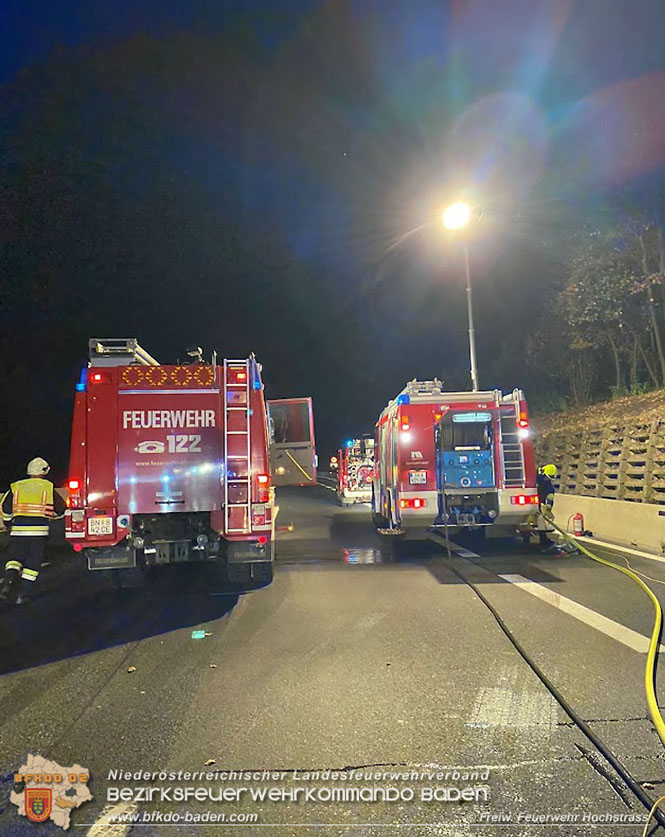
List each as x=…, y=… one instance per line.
x=549, y=471
x=37, y=467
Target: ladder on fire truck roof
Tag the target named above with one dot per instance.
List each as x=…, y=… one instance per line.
x=118, y=351
x=238, y=464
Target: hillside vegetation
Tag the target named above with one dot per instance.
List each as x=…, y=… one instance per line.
x=637, y=409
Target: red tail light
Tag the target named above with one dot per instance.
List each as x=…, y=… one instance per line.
x=236, y=375
x=263, y=479
x=74, y=485
x=524, y=499
x=97, y=377
x=413, y=503
x=522, y=418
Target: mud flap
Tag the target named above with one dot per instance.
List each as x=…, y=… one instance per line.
x=247, y=552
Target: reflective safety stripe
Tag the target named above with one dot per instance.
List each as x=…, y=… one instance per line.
x=29, y=575
x=32, y=498
x=29, y=531
x=14, y=565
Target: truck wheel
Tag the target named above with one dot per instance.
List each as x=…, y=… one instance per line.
x=239, y=574
x=379, y=521
x=104, y=581
x=262, y=573
x=127, y=578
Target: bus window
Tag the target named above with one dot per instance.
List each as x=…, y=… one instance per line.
x=292, y=451
x=291, y=421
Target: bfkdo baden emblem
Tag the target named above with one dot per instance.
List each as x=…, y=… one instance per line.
x=38, y=803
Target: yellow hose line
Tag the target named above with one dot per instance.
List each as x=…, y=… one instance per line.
x=649, y=671
x=297, y=464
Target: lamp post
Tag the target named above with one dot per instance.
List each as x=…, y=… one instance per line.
x=456, y=217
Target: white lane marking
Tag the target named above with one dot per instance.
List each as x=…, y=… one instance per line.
x=329, y=487
x=462, y=552
x=601, y=623
x=458, y=550
x=616, y=548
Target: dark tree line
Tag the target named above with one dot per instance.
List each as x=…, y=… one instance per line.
x=602, y=333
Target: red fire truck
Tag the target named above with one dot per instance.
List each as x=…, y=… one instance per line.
x=356, y=467
x=464, y=459
x=169, y=463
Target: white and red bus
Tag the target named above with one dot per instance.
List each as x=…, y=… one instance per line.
x=355, y=471
x=464, y=459
x=293, y=459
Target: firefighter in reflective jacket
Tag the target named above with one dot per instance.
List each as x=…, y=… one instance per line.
x=27, y=509
x=545, y=503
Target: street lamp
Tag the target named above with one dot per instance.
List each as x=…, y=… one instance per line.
x=456, y=217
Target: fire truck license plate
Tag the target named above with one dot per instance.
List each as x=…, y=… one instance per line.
x=100, y=526
x=417, y=477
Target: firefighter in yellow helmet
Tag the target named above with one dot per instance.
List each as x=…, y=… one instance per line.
x=27, y=509
x=545, y=503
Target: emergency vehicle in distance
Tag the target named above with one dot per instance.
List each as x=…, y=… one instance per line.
x=293, y=459
x=355, y=471
x=169, y=464
x=461, y=458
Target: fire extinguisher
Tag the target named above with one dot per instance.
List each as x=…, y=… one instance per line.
x=578, y=523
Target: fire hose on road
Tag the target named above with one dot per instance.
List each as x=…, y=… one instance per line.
x=650, y=668
x=649, y=676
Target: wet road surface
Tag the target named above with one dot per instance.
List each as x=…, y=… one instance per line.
x=368, y=657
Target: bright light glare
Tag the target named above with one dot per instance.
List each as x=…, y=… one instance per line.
x=456, y=216
x=523, y=433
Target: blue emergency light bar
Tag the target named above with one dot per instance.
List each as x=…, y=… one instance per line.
x=80, y=386
x=403, y=399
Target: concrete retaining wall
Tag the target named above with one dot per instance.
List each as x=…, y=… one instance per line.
x=640, y=525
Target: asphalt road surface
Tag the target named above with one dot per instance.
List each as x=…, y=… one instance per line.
x=372, y=659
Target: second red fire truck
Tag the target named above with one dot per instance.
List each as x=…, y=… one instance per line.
x=461, y=459
x=355, y=470
x=169, y=464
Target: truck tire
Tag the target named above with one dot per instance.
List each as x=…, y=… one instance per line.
x=239, y=575
x=262, y=573
x=127, y=578
x=104, y=581
x=379, y=521
x=130, y=578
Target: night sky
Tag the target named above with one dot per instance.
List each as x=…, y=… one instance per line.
x=268, y=176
